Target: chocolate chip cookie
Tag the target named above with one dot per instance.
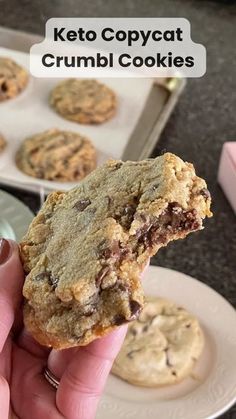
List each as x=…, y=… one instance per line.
x=85, y=250
x=13, y=78
x=161, y=347
x=84, y=101
x=3, y=143
x=62, y=156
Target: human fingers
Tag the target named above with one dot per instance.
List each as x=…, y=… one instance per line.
x=26, y=341
x=31, y=395
x=85, y=377
x=58, y=360
x=11, y=283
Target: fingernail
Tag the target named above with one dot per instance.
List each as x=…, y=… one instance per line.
x=5, y=250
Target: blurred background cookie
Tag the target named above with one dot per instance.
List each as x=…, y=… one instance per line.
x=84, y=101
x=161, y=347
x=3, y=143
x=63, y=156
x=13, y=78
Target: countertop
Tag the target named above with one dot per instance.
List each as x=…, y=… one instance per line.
x=202, y=121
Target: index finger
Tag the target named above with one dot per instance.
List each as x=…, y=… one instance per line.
x=85, y=377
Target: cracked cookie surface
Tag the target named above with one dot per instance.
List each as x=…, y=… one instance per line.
x=13, y=78
x=84, y=101
x=161, y=347
x=85, y=250
x=62, y=156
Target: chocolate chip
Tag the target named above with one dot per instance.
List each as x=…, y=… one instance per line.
x=34, y=150
x=4, y=87
x=145, y=328
x=205, y=193
x=76, y=174
x=42, y=276
x=173, y=207
x=135, y=308
x=124, y=253
x=48, y=276
x=129, y=210
x=53, y=281
x=188, y=325
x=149, y=235
x=168, y=363
x=82, y=204
x=129, y=213
x=122, y=287
x=109, y=201
x=142, y=231
x=191, y=223
x=89, y=312
x=174, y=373
x=101, y=274
x=133, y=332
x=155, y=187
x=130, y=354
x=119, y=319
x=113, y=251
x=118, y=165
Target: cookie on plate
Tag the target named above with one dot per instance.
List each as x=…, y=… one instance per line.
x=3, y=143
x=85, y=250
x=161, y=347
x=61, y=156
x=84, y=101
x=13, y=78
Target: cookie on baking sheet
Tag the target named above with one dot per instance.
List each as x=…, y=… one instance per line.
x=85, y=249
x=61, y=156
x=3, y=143
x=161, y=347
x=13, y=78
x=84, y=101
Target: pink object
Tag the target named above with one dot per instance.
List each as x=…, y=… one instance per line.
x=227, y=172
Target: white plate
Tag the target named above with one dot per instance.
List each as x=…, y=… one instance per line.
x=212, y=388
x=15, y=217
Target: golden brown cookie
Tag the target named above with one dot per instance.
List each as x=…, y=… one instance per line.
x=85, y=250
x=161, y=347
x=13, y=78
x=84, y=101
x=62, y=156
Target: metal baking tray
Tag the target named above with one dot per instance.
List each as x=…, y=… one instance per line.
x=160, y=102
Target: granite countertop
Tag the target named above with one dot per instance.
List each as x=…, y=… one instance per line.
x=202, y=121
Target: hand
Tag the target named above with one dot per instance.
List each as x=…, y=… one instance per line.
x=24, y=391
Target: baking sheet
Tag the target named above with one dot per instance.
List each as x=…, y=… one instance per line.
x=30, y=113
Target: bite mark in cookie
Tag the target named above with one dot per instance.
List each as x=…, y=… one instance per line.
x=96, y=248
